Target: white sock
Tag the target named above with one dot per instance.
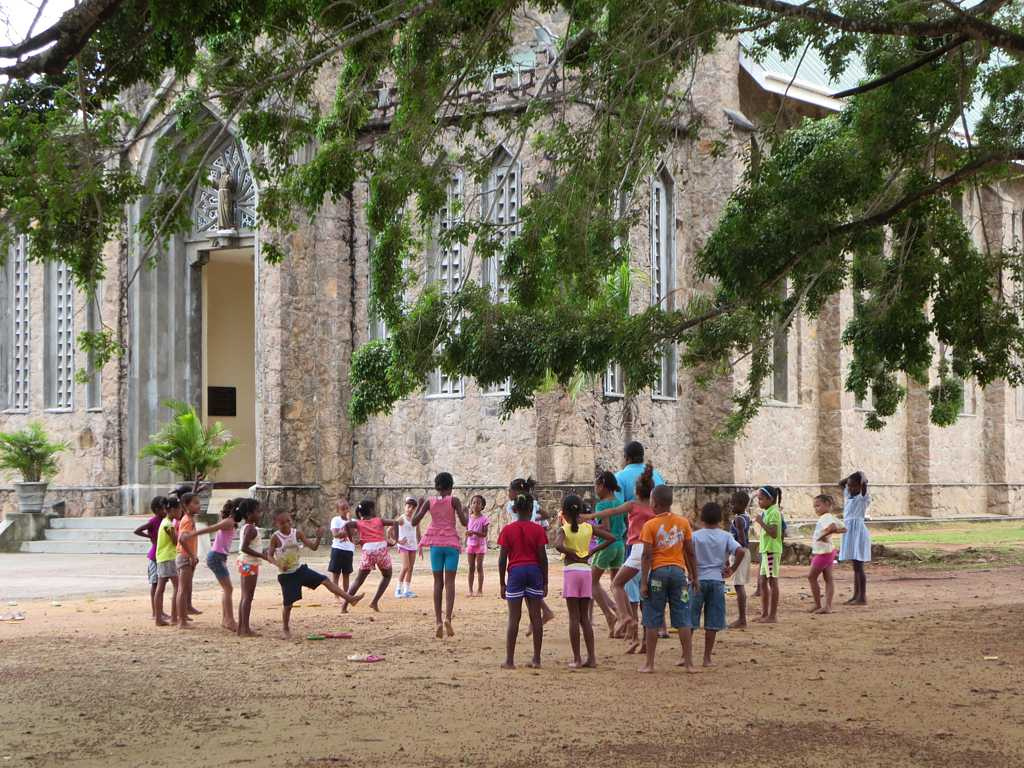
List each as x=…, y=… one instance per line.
x=406, y=588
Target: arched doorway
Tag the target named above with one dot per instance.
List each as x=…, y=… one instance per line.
x=191, y=323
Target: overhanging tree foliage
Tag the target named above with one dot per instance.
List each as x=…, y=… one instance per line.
x=860, y=199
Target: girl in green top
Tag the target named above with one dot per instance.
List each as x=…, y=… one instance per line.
x=612, y=557
x=769, y=519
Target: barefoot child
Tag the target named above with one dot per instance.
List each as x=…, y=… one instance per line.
x=523, y=574
x=856, y=544
x=638, y=512
x=149, y=530
x=408, y=546
x=217, y=558
x=528, y=486
x=285, y=552
x=612, y=557
x=443, y=539
x=769, y=519
x=740, y=530
x=713, y=548
x=342, y=548
x=373, y=538
x=476, y=542
x=166, y=553
x=823, y=554
x=250, y=553
x=572, y=539
x=187, y=558
x=667, y=544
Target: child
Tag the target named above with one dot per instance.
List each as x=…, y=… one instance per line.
x=740, y=530
x=374, y=541
x=637, y=512
x=667, y=543
x=149, y=530
x=769, y=519
x=613, y=556
x=476, y=541
x=250, y=552
x=713, y=548
x=408, y=545
x=443, y=540
x=856, y=544
x=284, y=552
x=166, y=553
x=217, y=558
x=524, y=560
x=572, y=539
x=187, y=558
x=342, y=548
x=823, y=554
x=527, y=486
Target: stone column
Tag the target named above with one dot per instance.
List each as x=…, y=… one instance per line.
x=565, y=439
x=919, y=455
x=304, y=346
x=830, y=393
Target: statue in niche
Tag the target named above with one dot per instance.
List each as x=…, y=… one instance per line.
x=225, y=202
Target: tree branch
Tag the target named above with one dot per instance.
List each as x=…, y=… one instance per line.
x=970, y=24
x=929, y=57
x=70, y=33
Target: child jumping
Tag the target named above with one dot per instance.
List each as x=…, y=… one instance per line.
x=342, y=548
x=769, y=519
x=443, y=539
x=150, y=530
x=713, y=548
x=285, y=552
x=374, y=541
x=217, y=558
x=823, y=554
x=408, y=546
x=476, y=542
x=739, y=527
x=166, y=568
x=856, y=544
x=523, y=574
x=572, y=539
x=667, y=543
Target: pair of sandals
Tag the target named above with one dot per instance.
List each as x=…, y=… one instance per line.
x=16, y=616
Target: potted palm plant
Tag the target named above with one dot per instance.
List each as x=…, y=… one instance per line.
x=188, y=449
x=29, y=453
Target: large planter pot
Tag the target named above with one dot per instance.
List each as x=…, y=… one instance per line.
x=30, y=497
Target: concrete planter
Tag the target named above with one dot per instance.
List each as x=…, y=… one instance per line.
x=30, y=497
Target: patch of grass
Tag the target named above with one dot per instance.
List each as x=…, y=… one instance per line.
x=965, y=559
x=972, y=535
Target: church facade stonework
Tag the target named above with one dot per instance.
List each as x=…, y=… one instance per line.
x=207, y=321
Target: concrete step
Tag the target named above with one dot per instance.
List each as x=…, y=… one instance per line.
x=120, y=522
x=87, y=547
x=92, y=534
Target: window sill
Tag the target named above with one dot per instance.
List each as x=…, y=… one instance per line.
x=459, y=396
x=59, y=410
x=95, y=409
x=494, y=394
x=664, y=399
x=622, y=396
x=17, y=411
x=780, y=404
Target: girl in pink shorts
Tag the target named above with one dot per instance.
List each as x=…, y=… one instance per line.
x=572, y=539
x=370, y=527
x=823, y=553
x=476, y=542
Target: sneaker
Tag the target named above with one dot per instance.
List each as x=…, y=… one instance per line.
x=409, y=594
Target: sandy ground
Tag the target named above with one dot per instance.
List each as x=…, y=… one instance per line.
x=903, y=682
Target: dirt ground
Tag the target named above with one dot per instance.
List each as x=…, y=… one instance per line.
x=902, y=682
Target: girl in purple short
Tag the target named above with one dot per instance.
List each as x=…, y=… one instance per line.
x=572, y=539
x=523, y=575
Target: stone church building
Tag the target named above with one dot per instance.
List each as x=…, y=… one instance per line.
x=266, y=350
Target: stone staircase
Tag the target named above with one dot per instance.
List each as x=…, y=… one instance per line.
x=91, y=536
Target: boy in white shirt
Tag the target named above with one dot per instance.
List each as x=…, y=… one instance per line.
x=714, y=548
x=823, y=554
x=342, y=548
